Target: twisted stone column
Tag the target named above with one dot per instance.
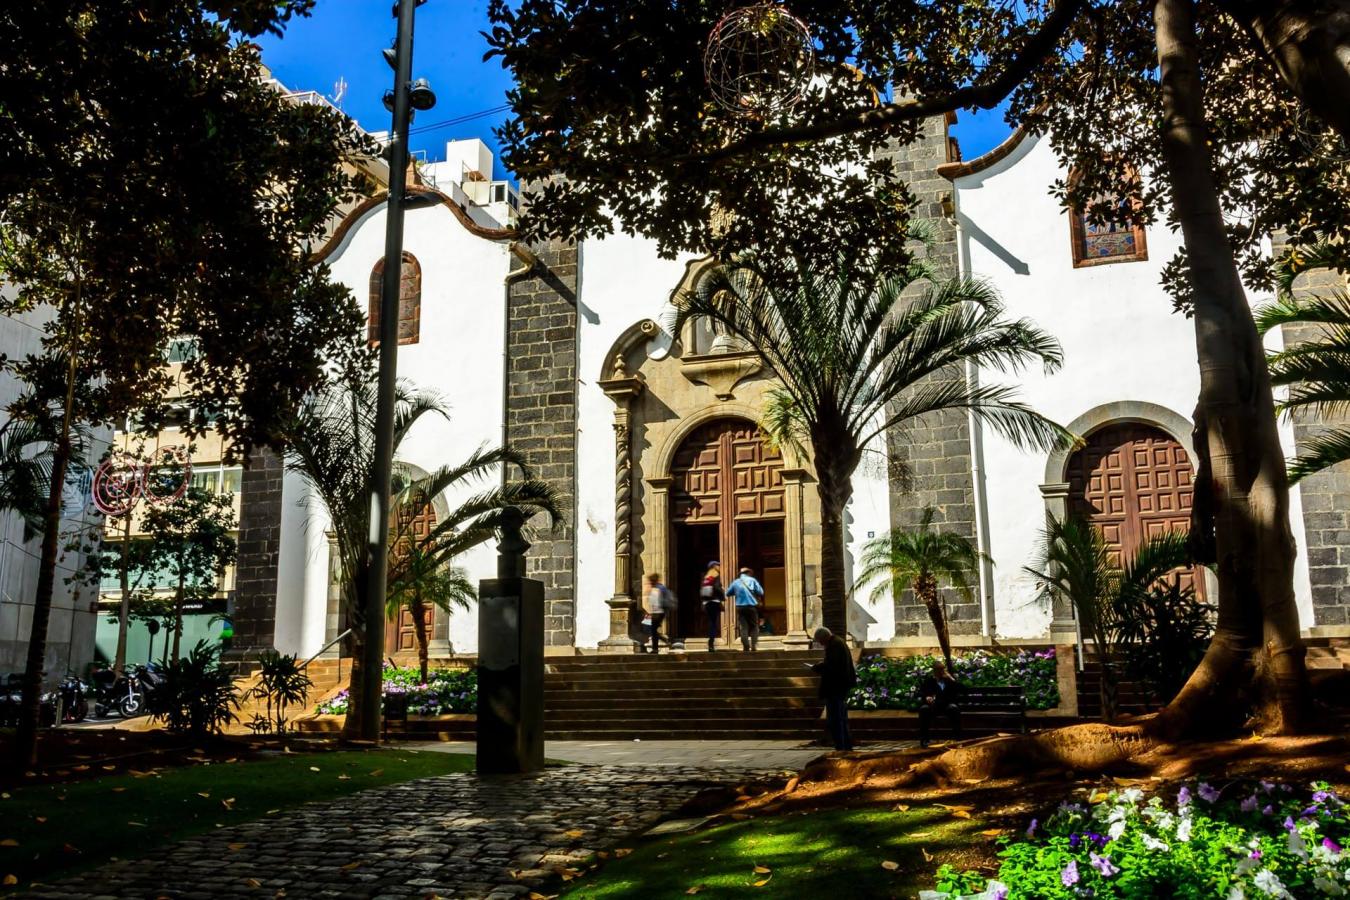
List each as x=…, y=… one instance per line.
x=622, y=388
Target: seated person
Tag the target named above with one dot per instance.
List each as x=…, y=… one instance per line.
x=765, y=626
x=939, y=693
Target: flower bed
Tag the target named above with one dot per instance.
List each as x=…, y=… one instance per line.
x=886, y=682
x=1241, y=842
x=446, y=691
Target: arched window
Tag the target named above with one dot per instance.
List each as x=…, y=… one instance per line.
x=1116, y=239
x=409, y=301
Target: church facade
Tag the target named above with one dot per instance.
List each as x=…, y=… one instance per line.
x=652, y=437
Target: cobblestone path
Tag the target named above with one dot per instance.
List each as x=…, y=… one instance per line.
x=452, y=836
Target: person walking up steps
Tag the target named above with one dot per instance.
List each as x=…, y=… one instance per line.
x=748, y=594
x=661, y=607
x=712, y=595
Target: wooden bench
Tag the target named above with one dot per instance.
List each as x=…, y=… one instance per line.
x=1005, y=701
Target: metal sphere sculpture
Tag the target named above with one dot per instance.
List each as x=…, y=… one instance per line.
x=122, y=480
x=759, y=60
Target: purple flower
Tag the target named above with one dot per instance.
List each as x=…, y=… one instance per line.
x=1096, y=838
x=1331, y=845
x=1321, y=797
x=1069, y=875
x=1288, y=823
x=1184, y=796
x=1255, y=854
x=1267, y=810
x=1207, y=793
x=1248, y=804
x=1074, y=840
x=1031, y=829
x=1267, y=786
x=1104, y=865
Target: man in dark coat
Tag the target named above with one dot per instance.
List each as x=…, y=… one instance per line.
x=837, y=677
x=938, y=695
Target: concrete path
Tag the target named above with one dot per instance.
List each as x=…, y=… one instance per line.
x=713, y=754
x=452, y=836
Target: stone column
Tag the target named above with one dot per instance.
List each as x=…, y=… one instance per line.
x=1063, y=627
x=622, y=388
x=794, y=558
x=658, y=511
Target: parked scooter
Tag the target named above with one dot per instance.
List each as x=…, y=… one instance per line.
x=11, y=701
x=152, y=682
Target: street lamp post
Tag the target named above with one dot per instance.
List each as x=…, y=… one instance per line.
x=400, y=102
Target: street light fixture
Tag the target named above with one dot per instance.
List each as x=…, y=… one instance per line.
x=401, y=101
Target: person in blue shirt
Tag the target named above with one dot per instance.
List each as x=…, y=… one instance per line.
x=748, y=595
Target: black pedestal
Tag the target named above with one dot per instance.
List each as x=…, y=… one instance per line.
x=510, y=675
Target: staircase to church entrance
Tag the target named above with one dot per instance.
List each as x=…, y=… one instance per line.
x=768, y=695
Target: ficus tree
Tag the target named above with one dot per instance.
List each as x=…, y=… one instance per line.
x=1226, y=117
x=153, y=185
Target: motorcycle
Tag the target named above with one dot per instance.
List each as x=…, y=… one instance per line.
x=117, y=692
x=74, y=704
x=11, y=701
x=152, y=681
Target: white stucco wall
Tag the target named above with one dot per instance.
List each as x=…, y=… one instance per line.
x=459, y=355
x=1121, y=342
x=623, y=281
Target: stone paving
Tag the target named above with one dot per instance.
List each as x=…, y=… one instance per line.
x=452, y=836
x=713, y=754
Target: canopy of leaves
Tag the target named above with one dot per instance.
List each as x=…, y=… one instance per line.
x=144, y=159
x=612, y=118
x=190, y=541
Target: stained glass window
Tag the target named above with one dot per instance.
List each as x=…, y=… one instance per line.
x=1115, y=240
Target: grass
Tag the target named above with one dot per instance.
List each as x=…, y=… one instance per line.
x=55, y=829
x=830, y=853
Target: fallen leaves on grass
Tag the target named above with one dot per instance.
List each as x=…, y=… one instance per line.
x=693, y=890
x=9, y=881
x=138, y=824
x=890, y=865
x=9, y=842
x=351, y=866
x=574, y=833
x=206, y=794
x=792, y=784
x=994, y=832
x=960, y=812
x=314, y=768
x=902, y=807
x=228, y=803
x=41, y=820
x=377, y=773
x=253, y=882
x=621, y=852
x=236, y=846
x=927, y=857
x=763, y=881
x=566, y=873
x=763, y=870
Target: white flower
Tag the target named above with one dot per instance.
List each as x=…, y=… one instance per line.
x=1153, y=843
x=1328, y=887
x=1184, y=830
x=1296, y=845
x=1116, y=830
x=1270, y=884
x=1236, y=893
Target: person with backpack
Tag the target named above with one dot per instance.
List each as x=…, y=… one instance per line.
x=661, y=608
x=713, y=596
x=837, y=678
x=748, y=595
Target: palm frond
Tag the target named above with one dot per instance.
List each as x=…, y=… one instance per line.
x=1320, y=452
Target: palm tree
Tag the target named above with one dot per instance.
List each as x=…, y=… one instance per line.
x=26, y=470
x=330, y=444
x=921, y=558
x=855, y=358
x=1317, y=371
x=419, y=582
x=1075, y=564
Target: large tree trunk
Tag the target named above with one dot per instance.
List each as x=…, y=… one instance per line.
x=835, y=487
x=30, y=710
x=1242, y=490
x=1309, y=43
x=124, y=608
x=178, y=617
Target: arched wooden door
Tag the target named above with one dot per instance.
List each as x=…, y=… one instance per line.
x=1132, y=481
x=400, y=631
x=727, y=504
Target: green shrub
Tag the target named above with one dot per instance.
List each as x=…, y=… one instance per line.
x=886, y=682
x=199, y=696
x=281, y=684
x=1243, y=842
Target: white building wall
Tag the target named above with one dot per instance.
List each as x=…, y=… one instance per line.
x=623, y=281
x=1121, y=341
x=459, y=355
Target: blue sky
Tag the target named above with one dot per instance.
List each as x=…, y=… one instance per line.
x=343, y=40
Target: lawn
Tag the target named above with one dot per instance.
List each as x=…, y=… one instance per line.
x=48, y=830
x=869, y=852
